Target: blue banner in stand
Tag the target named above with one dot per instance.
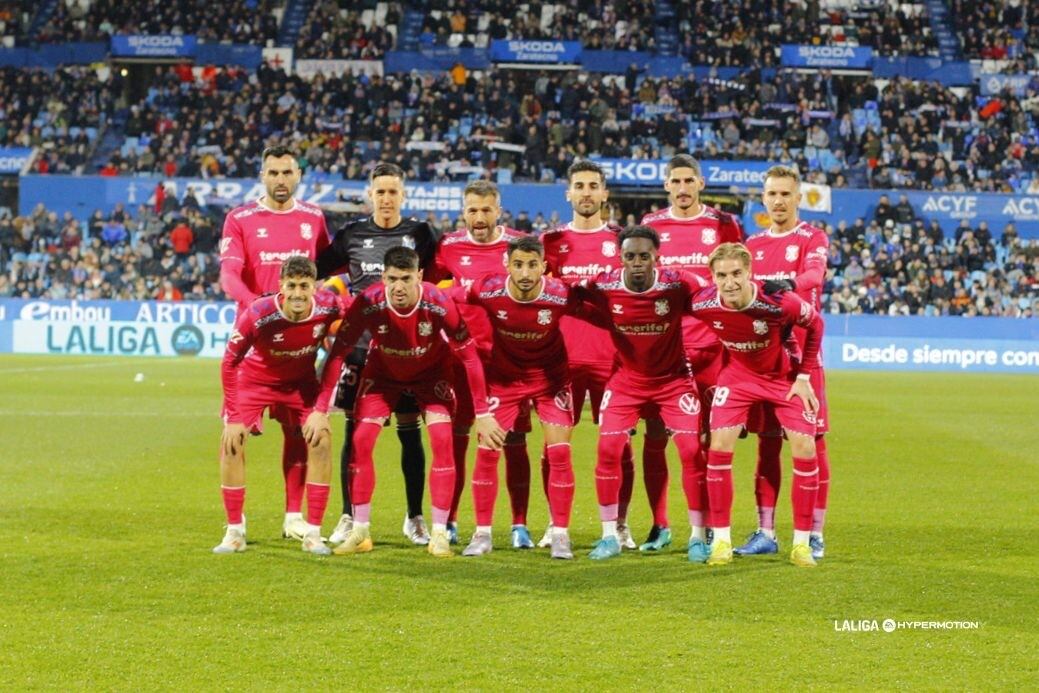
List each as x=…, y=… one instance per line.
x=81, y=195
x=535, y=51
x=993, y=85
x=154, y=46
x=827, y=57
x=12, y=159
x=741, y=175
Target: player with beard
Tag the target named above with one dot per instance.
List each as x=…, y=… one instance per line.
x=466, y=256
x=257, y=238
x=689, y=231
x=583, y=249
x=408, y=320
x=358, y=249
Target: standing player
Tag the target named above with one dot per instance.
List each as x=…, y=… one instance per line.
x=753, y=326
x=689, y=230
x=791, y=255
x=468, y=255
x=359, y=248
x=269, y=364
x=528, y=364
x=643, y=306
x=257, y=238
x=408, y=353
x=583, y=249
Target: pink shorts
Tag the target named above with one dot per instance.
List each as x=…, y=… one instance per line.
x=629, y=397
x=290, y=406
x=511, y=403
x=762, y=417
x=377, y=395
x=738, y=391
x=590, y=379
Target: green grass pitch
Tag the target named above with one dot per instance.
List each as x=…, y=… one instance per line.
x=110, y=505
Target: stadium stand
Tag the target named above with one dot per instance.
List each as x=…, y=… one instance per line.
x=997, y=31
x=597, y=24
x=749, y=32
x=349, y=30
x=843, y=131
x=240, y=21
x=61, y=112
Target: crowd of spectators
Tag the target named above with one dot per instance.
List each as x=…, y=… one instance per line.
x=347, y=30
x=897, y=264
x=236, y=21
x=165, y=254
x=750, y=32
x=841, y=130
x=893, y=264
x=60, y=112
x=597, y=24
x=997, y=30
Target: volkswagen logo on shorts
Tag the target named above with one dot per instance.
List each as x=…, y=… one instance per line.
x=444, y=391
x=188, y=340
x=689, y=404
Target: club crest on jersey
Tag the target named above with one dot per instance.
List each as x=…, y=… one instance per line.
x=279, y=337
x=306, y=230
x=544, y=317
x=662, y=307
x=665, y=237
x=760, y=327
x=689, y=403
x=792, y=252
x=618, y=309
x=368, y=243
x=709, y=236
x=760, y=255
x=444, y=391
x=383, y=329
x=425, y=328
x=319, y=330
x=225, y=243
x=502, y=315
x=466, y=261
x=261, y=232
x=609, y=249
x=408, y=242
x=717, y=324
x=564, y=248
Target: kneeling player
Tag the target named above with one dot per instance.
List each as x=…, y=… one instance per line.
x=752, y=326
x=269, y=364
x=643, y=307
x=408, y=354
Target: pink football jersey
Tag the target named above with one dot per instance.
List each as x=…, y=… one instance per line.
x=646, y=326
x=754, y=337
x=256, y=240
x=266, y=348
x=573, y=255
x=465, y=260
x=686, y=244
x=799, y=255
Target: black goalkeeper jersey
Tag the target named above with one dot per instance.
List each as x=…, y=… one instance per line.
x=359, y=247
